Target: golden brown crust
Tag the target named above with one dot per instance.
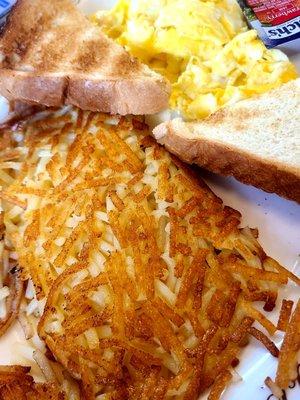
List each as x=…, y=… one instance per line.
x=228, y=161
x=18, y=41
x=122, y=96
x=32, y=88
x=40, y=63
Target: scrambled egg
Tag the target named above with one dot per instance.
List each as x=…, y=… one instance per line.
x=203, y=47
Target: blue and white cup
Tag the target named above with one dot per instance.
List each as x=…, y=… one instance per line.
x=5, y=6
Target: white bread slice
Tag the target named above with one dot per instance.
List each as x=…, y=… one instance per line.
x=51, y=54
x=256, y=140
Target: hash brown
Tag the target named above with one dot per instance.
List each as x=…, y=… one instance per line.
x=149, y=282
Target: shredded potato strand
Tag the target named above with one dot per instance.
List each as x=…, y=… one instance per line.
x=287, y=364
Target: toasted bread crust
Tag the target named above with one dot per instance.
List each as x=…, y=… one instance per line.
x=117, y=96
x=228, y=161
x=40, y=64
x=32, y=88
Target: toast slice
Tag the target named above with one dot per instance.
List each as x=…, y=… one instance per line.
x=256, y=140
x=51, y=54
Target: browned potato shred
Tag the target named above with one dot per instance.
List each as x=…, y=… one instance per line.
x=17, y=384
x=150, y=284
x=288, y=364
x=289, y=350
x=13, y=301
x=10, y=280
x=285, y=314
x=265, y=341
x=219, y=385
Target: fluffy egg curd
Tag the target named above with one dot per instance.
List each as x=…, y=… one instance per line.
x=203, y=47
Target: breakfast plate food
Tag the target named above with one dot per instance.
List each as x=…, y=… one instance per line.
x=139, y=281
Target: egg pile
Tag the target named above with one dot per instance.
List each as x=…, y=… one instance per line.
x=203, y=47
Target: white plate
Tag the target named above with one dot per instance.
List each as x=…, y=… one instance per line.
x=278, y=221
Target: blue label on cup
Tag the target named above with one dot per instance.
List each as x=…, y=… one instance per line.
x=5, y=6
